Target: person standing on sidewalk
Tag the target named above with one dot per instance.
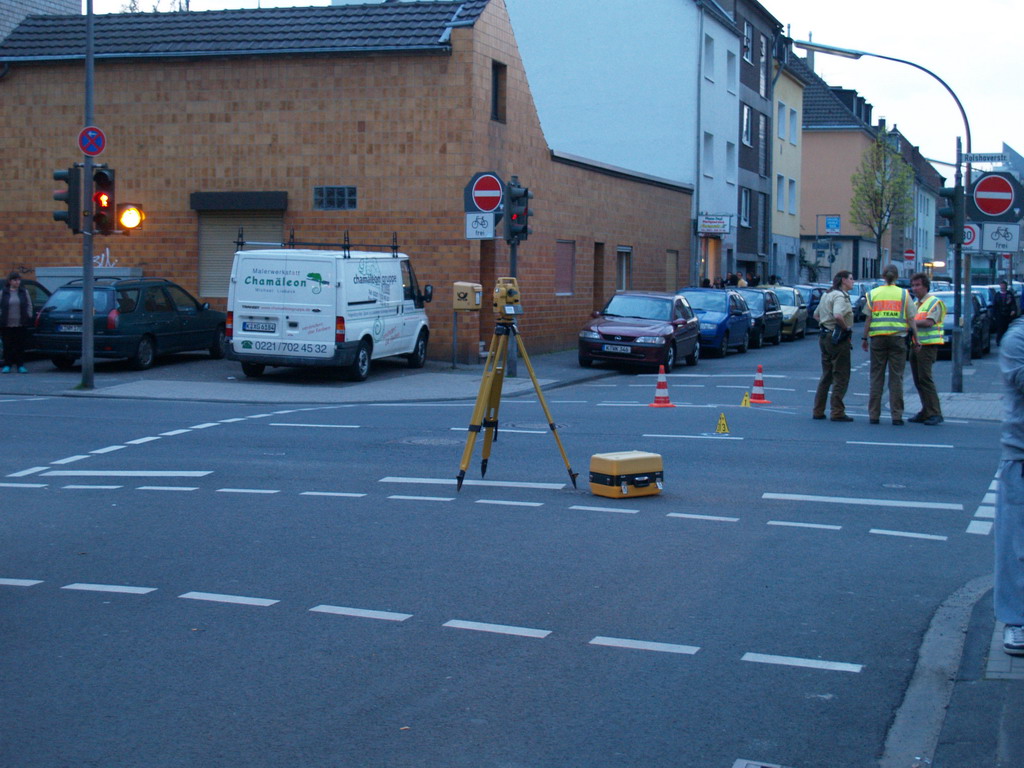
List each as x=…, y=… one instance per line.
x=835, y=311
x=890, y=318
x=1004, y=310
x=1008, y=593
x=929, y=322
x=15, y=319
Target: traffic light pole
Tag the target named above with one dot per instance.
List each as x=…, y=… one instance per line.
x=957, y=353
x=88, y=310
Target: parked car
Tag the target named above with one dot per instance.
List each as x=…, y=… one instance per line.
x=794, y=312
x=39, y=293
x=858, y=296
x=766, y=314
x=811, y=295
x=134, y=318
x=725, y=318
x=641, y=328
x=981, y=326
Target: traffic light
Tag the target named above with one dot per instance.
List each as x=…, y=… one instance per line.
x=130, y=216
x=103, y=202
x=953, y=213
x=517, y=211
x=72, y=197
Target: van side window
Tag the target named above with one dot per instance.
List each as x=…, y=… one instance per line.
x=411, y=291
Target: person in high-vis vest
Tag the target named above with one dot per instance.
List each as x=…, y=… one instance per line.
x=931, y=313
x=890, y=312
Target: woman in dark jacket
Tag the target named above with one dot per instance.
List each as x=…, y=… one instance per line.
x=15, y=319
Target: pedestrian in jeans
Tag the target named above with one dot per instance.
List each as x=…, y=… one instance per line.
x=890, y=319
x=931, y=314
x=1008, y=594
x=15, y=319
x=834, y=311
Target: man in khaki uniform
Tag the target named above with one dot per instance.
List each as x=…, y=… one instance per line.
x=834, y=311
x=931, y=313
x=890, y=314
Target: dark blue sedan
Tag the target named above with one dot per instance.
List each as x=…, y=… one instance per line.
x=725, y=318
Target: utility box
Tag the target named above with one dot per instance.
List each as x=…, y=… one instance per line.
x=467, y=297
x=626, y=473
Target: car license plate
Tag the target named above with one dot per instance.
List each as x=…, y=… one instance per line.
x=66, y=328
x=621, y=349
x=259, y=327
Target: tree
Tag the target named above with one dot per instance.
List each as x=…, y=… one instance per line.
x=882, y=190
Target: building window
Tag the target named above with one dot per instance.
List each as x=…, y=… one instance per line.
x=762, y=143
x=565, y=266
x=792, y=196
x=730, y=72
x=499, y=76
x=623, y=269
x=748, y=42
x=794, y=127
x=730, y=162
x=747, y=126
x=780, y=192
x=763, y=223
x=709, y=57
x=780, y=120
x=708, y=160
x=744, y=207
x=764, y=67
x=335, y=199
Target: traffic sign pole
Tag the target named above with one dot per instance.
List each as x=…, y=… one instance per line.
x=88, y=353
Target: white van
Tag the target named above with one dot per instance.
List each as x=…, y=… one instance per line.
x=328, y=308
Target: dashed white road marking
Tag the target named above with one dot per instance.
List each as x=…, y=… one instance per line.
x=862, y=502
x=806, y=525
x=70, y=459
x=986, y=512
x=699, y=437
x=422, y=498
x=27, y=472
x=19, y=582
x=174, y=432
x=503, y=503
x=22, y=485
x=713, y=518
x=264, y=491
x=361, y=613
x=167, y=488
x=232, y=421
x=109, y=449
x=92, y=487
x=981, y=527
x=213, y=597
x=110, y=588
x=141, y=440
x=898, y=445
x=500, y=629
x=127, y=473
x=489, y=483
x=503, y=430
x=793, y=661
x=644, y=645
x=333, y=493
x=605, y=509
x=909, y=535
x=315, y=426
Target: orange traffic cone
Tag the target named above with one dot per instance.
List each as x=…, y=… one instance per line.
x=661, y=392
x=757, y=396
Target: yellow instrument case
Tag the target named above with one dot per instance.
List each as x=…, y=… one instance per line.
x=625, y=474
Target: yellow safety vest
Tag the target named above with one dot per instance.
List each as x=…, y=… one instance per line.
x=932, y=334
x=888, y=309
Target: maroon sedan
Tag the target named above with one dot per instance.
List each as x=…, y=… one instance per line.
x=642, y=328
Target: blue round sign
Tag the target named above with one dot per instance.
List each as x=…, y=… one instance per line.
x=92, y=141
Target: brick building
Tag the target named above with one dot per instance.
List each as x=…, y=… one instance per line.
x=368, y=118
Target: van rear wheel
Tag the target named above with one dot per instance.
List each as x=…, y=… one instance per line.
x=253, y=370
x=360, y=367
x=418, y=357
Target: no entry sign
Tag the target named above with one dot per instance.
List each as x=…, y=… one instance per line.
x=484, y=193
x=996, y=197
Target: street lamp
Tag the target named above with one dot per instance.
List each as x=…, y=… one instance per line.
x=958, y=362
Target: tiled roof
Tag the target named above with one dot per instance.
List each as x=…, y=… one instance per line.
x=822, y=108
x=384, y=26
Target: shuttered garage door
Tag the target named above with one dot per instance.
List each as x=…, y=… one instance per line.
x=217, y=235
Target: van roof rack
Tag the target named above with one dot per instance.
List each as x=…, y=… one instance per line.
x=345, y=246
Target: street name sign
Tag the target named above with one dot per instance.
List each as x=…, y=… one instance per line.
x=986, y=157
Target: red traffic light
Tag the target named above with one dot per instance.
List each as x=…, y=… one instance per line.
x=103, y=199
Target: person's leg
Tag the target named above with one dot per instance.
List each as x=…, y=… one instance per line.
x=840, y=378
x=821, y=395
x=897, y=365
x=877, y=348
x=1008, y=592
x=930, y=404
x=17, y=354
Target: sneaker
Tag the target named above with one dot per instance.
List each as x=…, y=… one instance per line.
x=917, y=418
x=22, y=369
x=844, y=417
x=933, y=421
x=817, y=416
x=1013, y=640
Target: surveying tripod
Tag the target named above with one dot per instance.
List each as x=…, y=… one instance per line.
x=488, y=401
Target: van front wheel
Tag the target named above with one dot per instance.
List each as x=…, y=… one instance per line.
x=360, y=367
x=418, y=357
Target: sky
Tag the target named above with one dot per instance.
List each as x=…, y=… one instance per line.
x=970, y=46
